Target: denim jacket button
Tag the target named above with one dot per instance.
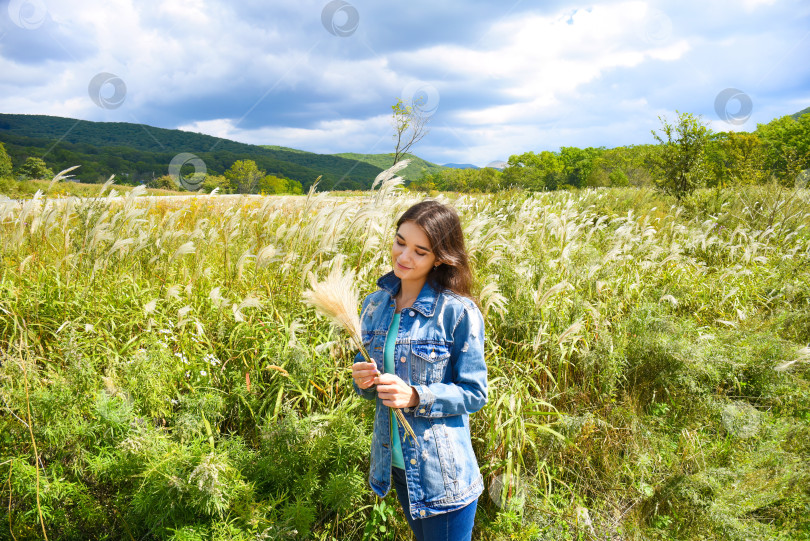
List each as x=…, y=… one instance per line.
x=422, y=512
x=411, y=313
x=422, y=410
x=413, y=461
x=402, y=359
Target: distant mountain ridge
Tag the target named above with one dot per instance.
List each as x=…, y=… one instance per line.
x=497, y=164
x=136, y=152
x=461, y=166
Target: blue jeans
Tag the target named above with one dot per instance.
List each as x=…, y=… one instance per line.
x=452, y=526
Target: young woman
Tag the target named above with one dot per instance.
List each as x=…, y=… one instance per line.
x=426, y=337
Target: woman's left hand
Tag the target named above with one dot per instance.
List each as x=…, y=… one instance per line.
x=395, y=393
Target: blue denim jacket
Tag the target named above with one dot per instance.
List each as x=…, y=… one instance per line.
x=440, y=352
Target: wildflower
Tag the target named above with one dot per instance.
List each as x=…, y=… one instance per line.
x=211, y=359
x=203, y=373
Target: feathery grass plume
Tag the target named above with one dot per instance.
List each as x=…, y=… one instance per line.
x=106, y=185
x=491, y=298
x=267, y=255
x=149, y=307
x=389, y=181
x=216, y=297
x=574, y=328
x=540, y=301
x=803, y=356
x=390, y=173
x=184, y=249
x=173, y=292
x=669, y=298
x=248, y=302
x=61, y=175
x=336, y=299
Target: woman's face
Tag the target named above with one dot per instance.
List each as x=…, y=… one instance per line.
x=411, y=254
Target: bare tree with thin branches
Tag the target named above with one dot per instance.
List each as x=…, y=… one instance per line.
x=410, y=126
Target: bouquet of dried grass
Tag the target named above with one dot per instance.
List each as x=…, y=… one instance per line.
x=335, y=298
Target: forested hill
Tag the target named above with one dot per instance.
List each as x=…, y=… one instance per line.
x=416, y=169
x=137, y=153
x=803, y=112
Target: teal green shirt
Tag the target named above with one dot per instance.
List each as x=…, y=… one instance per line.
x=388, y=366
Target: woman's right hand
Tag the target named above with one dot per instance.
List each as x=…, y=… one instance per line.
x=365, y=374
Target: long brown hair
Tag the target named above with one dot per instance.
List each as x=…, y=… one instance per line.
x=442, y=226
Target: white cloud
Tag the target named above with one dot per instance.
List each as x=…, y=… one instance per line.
x=542, y=63
x=330, y=136
x=751, y=5
x=533, y=79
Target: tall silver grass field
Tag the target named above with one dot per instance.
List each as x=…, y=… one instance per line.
x=178, y=381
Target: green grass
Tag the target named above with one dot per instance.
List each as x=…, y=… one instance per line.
x=178, y=388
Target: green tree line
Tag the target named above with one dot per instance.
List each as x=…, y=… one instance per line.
x=688, y=155
x=243, y=176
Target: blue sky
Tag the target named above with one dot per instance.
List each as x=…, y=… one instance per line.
x=496, y=78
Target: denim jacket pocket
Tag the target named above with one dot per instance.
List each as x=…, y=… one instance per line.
x=447, y=453
x=428, y=362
